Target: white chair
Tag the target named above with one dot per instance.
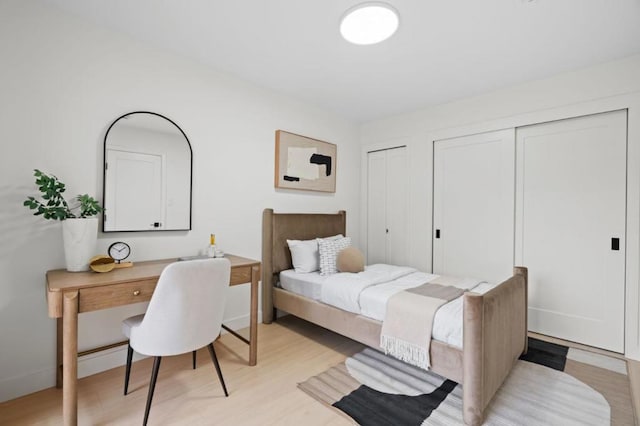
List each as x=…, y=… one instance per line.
x=184, y=314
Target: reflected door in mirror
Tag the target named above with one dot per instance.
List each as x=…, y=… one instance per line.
x=147, y=180
x=135, y=179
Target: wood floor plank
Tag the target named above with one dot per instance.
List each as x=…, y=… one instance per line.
x=290, y=351
x=634, y=378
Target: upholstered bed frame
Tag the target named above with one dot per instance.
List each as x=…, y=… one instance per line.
x=494, y=324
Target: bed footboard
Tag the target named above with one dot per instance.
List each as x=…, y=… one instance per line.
x=495, y=335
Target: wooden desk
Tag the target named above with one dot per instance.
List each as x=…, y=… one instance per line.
x=71, y=293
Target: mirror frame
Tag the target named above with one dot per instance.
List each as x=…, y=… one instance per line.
x=104, y=173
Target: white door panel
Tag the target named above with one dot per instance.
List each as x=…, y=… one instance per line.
x=571, y=186
x=473, y=213
x=396, y=253
x=387, y=206
x=134, y=179
x=376, y=207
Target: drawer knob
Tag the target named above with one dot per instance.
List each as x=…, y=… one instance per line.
x=136, y=293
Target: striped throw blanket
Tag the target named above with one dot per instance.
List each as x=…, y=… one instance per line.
x=406, y=329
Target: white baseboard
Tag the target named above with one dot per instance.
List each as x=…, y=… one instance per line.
x=15, y=387
x=240, y=322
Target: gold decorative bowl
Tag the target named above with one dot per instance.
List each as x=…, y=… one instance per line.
x=102, y=263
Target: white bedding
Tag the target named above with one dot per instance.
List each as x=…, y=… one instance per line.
x=307, y=284
x=343, y=289
x=367, y=292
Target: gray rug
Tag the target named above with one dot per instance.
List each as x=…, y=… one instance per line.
x=551, y=385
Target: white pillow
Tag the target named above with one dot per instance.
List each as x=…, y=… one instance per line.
x=329, y=249
x=304, y=254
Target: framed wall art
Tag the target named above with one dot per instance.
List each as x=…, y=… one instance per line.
x=304, y=163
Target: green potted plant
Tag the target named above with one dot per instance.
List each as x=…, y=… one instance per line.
x=79, y=221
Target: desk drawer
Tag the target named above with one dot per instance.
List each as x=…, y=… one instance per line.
x=240, y=275
x=92, y=299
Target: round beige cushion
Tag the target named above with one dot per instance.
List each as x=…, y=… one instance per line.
x=350, y=259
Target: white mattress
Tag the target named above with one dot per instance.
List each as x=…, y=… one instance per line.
x=307, y=285
x=447, y=324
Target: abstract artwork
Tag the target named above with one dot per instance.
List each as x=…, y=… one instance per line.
x=304, y=163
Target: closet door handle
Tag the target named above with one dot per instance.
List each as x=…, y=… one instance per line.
x=437, y=233
x=615, y=244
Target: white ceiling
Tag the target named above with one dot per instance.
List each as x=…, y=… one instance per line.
x=444, y=49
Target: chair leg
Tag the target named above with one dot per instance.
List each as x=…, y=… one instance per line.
x=152, y=386
x=194, y=359
x=127, y=372
x=214, y=358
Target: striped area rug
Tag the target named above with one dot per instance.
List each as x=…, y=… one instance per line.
x=551, y=385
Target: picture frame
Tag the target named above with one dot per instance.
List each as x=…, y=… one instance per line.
x=304, y=163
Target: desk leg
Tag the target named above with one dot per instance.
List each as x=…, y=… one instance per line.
x=70, y=358
x=253, y=326
x=59, y=353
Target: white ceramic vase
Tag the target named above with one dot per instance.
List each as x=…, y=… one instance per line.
x=79, y=237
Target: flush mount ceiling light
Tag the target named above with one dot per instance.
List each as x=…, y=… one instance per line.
x=369, y=23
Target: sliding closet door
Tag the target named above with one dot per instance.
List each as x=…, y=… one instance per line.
x=396, y=229
x=473, y=205
x=570, y=215
x=377, y=207
x=387, y=206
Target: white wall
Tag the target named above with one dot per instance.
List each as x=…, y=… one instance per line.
x=606, y=87
x=62, y=82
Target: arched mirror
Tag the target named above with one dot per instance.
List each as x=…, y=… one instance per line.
x=147, y=175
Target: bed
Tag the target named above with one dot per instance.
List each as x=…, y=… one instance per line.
x=494, y=323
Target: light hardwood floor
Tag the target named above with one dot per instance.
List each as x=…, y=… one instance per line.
x=289, y=351
x=633, y=367
x=634, y=377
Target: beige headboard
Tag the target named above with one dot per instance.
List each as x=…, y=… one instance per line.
x=277, y=228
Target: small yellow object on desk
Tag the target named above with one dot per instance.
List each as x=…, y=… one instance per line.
x=123, y=265
x=102, y=263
